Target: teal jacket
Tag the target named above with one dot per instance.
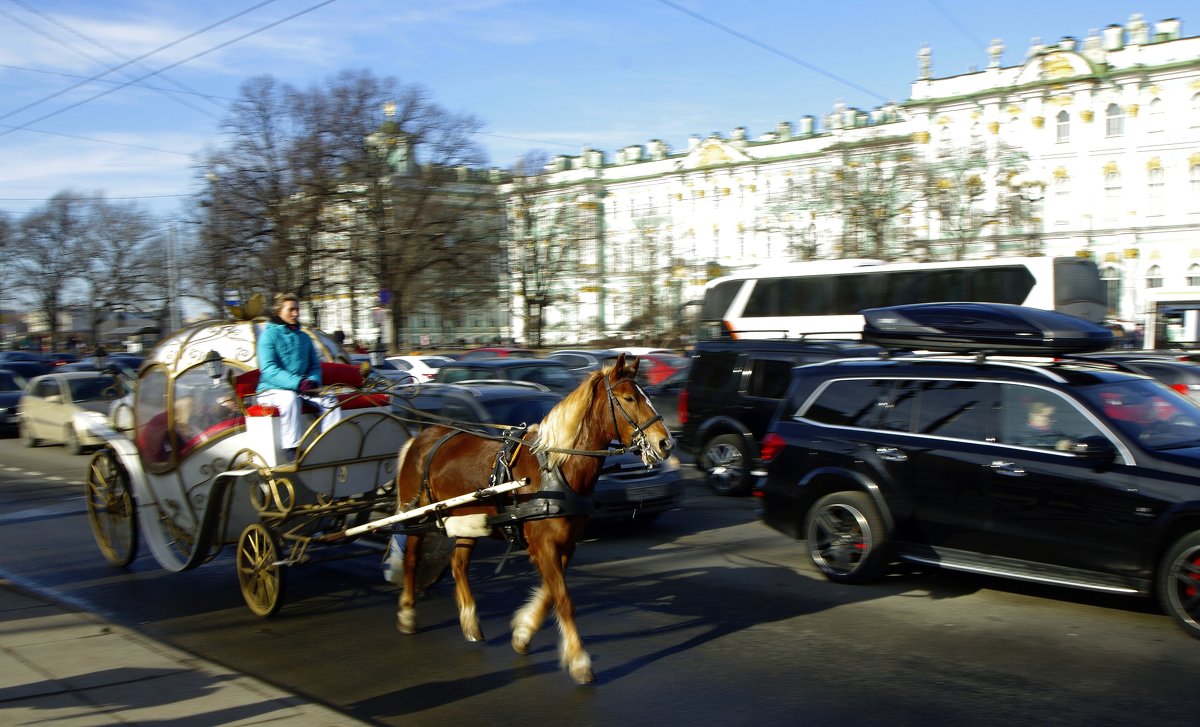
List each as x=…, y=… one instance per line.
x=286, y=356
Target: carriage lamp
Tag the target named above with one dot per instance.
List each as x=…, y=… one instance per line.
x=214, y=366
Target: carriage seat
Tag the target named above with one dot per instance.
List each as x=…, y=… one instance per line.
x=331, y=373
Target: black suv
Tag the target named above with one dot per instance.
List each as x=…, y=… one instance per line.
x=732, y=392
x=1063, y=471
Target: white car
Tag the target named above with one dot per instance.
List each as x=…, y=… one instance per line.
x=67, y=408
x=423, y=367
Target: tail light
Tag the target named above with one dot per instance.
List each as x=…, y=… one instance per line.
x=1181, y=388
x=682, y=408
x=772, y=445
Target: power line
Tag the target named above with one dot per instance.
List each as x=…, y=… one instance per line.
x=117, y=67
x=79, y=34
x=979, y=44
x=772, y=49
x=87, y=197
x=170, y=66
x=102, y=141
x=208, y=96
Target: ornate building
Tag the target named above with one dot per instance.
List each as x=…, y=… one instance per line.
x=1085, y=148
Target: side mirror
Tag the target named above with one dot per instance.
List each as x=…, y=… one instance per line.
x=1097, y=450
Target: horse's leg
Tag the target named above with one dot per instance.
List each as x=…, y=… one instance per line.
x=468, y=619
x=406, y=611
x=551, y=559
x=528, y=619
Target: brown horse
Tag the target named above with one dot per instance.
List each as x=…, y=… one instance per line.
x=443, y=462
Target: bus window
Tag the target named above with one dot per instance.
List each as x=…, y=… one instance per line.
x=1001, y=285
x=1078, y=289
x=718, y=298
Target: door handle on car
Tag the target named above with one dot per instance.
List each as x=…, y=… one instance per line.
x=1009, y=469
x=891, y=454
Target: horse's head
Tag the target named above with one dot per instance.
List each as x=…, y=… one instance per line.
x=636, y=422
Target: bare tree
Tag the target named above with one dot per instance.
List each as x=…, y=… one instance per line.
x=968, y=190
x=52, y=248
x=545, y=231
x=872, y=187
x=124, y=262
x=791, y=211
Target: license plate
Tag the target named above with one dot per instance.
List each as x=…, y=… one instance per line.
x=649, y=492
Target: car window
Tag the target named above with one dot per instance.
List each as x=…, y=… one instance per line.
x=1034, y=417
x=957, y=409
x=573, y=360
x=46, y=387
x=769, y=378
x=8, y=382
x=849, y=402
x=450, y=375
x=897, y=413
x=1147, y=412
x=100, y=388
x=525, y=410
x=710, y=371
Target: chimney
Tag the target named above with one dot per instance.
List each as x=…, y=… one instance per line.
x=806, y=125
x=1114, y=38
x=783, y=131
x=1168, y=29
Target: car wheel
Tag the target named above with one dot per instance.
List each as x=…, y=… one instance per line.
x=846, y=537
x=27, y=435
x=1178, y=583
x=723, y=460
x=71, y=441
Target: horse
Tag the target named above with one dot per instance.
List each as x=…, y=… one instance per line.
x=561, y=458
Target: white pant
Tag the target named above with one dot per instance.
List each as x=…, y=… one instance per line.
x=290, y=404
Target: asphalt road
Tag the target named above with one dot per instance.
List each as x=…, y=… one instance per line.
x=705, y=618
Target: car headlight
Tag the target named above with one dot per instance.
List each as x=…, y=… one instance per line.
x=91, y=422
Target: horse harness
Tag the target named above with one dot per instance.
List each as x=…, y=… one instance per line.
x=553, y=498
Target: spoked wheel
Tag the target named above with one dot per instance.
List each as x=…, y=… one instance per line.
x=110, y=508
x=1179, y=583
x=260, y=575
x=846, y=538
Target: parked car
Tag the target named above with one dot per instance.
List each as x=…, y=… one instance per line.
x=495, y=352
x=385, y=369
x=423, y=367
x=654, y=368
x=642, y=350
x=6, y=356
x=65, y=407
x=12, y=387
x=731, y=394
x=583, y=361
x=1182, y=376
x=554, y=375
x=1067, y=472
x=126, y=364
x=27, y=369
x=626, y=490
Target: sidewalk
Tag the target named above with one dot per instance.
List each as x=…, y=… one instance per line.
x=67, y=668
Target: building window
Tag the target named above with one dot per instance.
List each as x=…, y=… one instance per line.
x=945, y=143
x=1194, y=171
x=1111, y=277
x=1155, y=121
x=1063, y=127
x=1193, y=275
x=1154, y=277
x=1195, y=121
x=1112, y=195
x=1062, y=199
x=1114, y=124
x=1154, y=192
x=976, y=134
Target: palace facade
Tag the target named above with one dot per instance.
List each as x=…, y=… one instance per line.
x=1087, y=148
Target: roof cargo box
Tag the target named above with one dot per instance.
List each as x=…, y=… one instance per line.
x=979, y=327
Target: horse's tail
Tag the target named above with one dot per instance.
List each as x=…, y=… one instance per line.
x=400, y=472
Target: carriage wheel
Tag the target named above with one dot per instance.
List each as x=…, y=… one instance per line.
x=260, y=575
x=110, y=508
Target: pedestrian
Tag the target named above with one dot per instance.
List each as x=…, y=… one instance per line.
x=290, y=373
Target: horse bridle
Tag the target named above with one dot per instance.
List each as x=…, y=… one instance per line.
x=638, y=441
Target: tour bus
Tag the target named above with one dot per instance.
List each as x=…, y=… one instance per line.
x=824, y=298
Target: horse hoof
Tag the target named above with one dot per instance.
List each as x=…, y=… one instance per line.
x=475, y=635
x=406, y=623
x=583, y=676
x=520, y=642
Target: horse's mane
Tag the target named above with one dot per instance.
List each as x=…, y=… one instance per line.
x=566, y=421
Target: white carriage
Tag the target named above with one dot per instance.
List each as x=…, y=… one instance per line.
x=201, y=468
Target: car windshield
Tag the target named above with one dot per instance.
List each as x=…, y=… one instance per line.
x=96, y=388
x=1148, y=412
x=8, y=382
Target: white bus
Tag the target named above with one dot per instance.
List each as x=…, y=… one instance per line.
x=1172, y=319
x=824, y=298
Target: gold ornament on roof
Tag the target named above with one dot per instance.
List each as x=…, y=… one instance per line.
x=253, y=308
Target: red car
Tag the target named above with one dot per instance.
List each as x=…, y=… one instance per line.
x=657, y=367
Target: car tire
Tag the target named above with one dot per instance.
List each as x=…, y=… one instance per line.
x=1177, y=583
x=71, y=441
x=846, y=537
x=27, y=435
x=724, y=461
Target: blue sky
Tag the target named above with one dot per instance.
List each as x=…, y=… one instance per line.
x=553, y=75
